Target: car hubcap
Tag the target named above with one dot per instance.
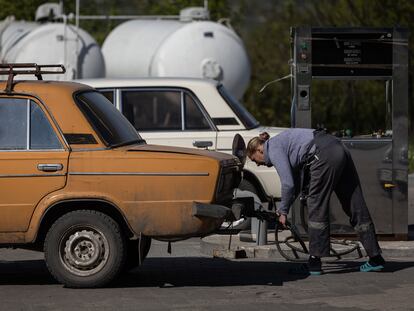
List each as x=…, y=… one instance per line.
x=84, y=251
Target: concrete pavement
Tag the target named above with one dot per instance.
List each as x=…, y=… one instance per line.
x=242, y=246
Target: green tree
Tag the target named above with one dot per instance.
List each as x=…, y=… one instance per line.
x=22, y=9
x=264, y=26
x=335, y=103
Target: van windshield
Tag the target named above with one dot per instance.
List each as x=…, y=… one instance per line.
x=242, y=113
x=112, y=127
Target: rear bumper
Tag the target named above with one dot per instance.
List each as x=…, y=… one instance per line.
x=186, y=220
x=211, y=211
x=241, y=207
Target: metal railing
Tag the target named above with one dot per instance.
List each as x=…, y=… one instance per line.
x=14, y=69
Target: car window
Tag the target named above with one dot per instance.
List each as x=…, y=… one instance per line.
x=108, y=122
x=194, y=118
x=245, y=117
x=109, y=94
x=13, y=124
x=24, y=126
x=42, y=135
x=152, y=110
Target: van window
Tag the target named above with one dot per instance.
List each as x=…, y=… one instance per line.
x=109, y=94
x=194, y=118
x=242, y=113
x=152, y=110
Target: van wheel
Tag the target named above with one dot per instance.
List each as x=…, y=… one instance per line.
x=243, y=223
x=85, y=248
x=133, y=246
x=246, y=186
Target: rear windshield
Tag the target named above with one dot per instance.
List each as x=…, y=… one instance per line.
x=112, y=127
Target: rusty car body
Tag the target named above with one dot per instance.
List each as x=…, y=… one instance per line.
x=77, y=181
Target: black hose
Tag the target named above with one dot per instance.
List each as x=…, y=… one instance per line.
x=356, y=247
x=296, y=237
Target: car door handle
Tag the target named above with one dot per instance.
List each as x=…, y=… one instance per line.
x=202, y=143
x=50, y=167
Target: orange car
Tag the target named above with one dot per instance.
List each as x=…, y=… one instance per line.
x=77, y=181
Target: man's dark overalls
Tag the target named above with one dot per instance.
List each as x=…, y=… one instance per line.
x=331, y=169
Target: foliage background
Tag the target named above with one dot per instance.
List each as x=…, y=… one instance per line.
x=264, y=26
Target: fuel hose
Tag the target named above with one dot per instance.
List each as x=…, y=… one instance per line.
x=293, y=248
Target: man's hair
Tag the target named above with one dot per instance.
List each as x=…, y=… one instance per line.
x=255, y=142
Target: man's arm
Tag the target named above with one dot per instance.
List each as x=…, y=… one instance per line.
x=281, y=162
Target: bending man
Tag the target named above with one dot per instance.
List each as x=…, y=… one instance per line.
x=330, y=169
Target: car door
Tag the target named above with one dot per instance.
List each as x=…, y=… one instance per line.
x=168, y=116
x=33, y=161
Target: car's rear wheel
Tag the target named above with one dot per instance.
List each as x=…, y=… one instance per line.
x=85, y=248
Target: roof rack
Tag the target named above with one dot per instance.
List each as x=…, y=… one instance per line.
x=26, y=69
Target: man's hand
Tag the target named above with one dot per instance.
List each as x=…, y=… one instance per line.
x=282, y=220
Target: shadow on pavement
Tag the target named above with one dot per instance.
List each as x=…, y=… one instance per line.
x=178, y=272
x=193, y=271
x=188, y=271
x=165, y=272
x=25, y=272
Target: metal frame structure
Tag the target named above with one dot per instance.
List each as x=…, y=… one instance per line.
x=13, y=70
x=362, y=54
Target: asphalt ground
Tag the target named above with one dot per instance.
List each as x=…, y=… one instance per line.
x=187, y=280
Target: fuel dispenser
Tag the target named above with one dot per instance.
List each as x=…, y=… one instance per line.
x=360, y=54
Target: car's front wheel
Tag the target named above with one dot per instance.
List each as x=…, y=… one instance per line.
x=85, y=248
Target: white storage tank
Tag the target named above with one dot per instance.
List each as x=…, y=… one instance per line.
x=12, y=31
x=52, y=43
x=172, y=48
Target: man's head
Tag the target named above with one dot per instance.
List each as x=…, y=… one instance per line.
x=255, y=148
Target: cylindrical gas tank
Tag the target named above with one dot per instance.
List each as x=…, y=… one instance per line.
x=165, y=48
x=11, y=32
x=53, y=43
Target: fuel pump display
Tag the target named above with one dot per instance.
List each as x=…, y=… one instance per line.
x=352, y=54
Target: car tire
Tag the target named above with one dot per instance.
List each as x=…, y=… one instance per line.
x=246, y=185
x=132, y=260
x=84, y=249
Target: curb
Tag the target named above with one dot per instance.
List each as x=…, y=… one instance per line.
x=217, y=246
